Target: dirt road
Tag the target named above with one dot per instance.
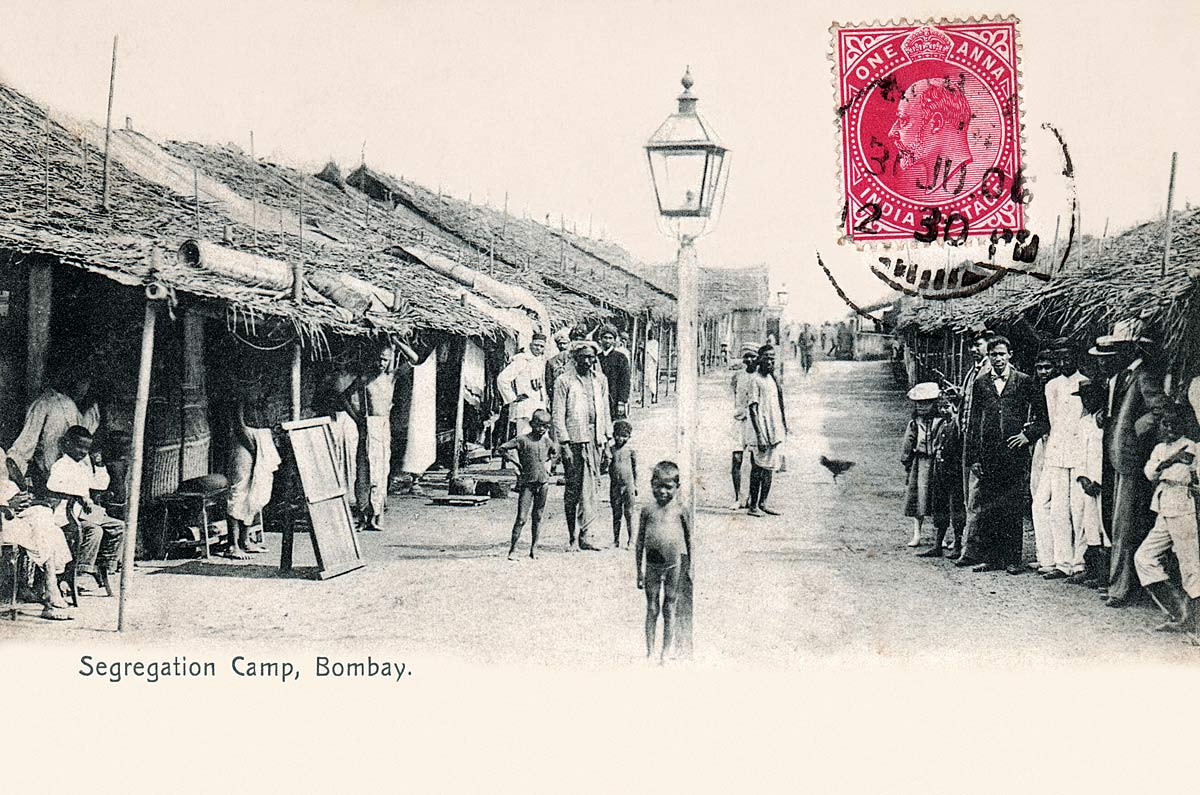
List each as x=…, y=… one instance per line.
x=830, y=579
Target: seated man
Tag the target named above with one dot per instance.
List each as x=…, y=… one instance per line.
x=72, y=478
x=31, y=526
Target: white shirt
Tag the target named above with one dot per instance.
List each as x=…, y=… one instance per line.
x=524, y=375
x=999, y=380
x=1172, y=497
x=46, y=422
x=76, y=478
x=1066, y=442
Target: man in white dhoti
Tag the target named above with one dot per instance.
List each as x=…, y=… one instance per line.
x=375, y=391
x=522, y=386
x=33, y=528
x=767, y=417
x=253, y=459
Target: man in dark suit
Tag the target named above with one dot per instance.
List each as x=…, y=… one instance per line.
x=615, y=364
x=1008, y=411
x=981, y=367
x=1134, y=394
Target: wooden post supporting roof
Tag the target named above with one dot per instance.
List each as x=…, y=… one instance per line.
x=41, y=291
x=136, y=455
x=458, y=409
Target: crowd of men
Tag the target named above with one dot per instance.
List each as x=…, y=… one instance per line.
x=584, y=389
x=1091, y=449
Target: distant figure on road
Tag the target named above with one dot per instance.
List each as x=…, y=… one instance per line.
x=664, y=553
x=805, y=345
x=650, y=373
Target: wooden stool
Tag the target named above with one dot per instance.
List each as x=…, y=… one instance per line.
x=193, y=505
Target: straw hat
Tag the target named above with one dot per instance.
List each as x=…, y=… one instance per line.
x=927, y=390
x=1124, y=331
x=749, y=349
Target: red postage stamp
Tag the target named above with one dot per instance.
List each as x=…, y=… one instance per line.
x=930, y=131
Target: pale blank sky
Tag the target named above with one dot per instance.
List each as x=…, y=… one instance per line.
x=552, y=101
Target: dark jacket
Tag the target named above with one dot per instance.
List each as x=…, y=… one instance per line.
x=1129, y=436
x=997, y=417
x=615, y=365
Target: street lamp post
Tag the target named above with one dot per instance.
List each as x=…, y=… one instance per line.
x=688, y=170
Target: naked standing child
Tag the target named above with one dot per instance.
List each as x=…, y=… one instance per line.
x=664, y=538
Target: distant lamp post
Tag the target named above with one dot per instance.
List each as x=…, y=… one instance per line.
x=781, y=296
x=689, y=169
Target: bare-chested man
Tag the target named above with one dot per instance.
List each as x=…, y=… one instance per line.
x=373, y=394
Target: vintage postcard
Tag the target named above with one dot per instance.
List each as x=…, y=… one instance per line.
x=592, y=397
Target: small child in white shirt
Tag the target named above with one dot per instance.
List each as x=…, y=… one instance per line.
x=1172, y=467
x=74, y=476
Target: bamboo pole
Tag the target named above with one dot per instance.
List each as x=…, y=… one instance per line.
x=298, y=297
x=46, y=163
x=1079, y=220
x=196, y=195
x=136, y=454
x=458, y=409
x=254, y=201
x=1166, y=260
x=1054, y=246
x=112, y=79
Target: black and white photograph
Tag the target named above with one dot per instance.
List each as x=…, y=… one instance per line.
x=572, y=396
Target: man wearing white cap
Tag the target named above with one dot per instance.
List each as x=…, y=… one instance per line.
x=521, y=384
x=742, y=435
x=1134, y=393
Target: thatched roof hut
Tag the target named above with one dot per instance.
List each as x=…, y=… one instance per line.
x=51, y=168
x=561, y=259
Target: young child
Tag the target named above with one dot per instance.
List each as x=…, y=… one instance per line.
x=73, y=477
x=622, y=481
x=946, y=500
x=664, y=538
x=1172, y=467
x=533, y=453
x=918, y=454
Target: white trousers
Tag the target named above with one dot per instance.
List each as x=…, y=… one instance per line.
x=1066, y=504
x=1043, y=530
x=1176, y=534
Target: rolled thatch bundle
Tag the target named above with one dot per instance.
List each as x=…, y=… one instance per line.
x=346, y=291
x=250, y=269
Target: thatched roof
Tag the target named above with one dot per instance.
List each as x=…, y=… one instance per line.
x=50, y=167
x=559, y=258
x=721, y=289
x=1123, y=281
